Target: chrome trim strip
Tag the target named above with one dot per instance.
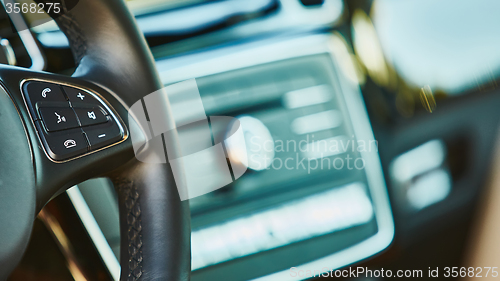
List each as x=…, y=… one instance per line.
x=65, y=246
x=94, y=232
x=115, y=116
x=238, y=56
x=37, y=59
x=271, y=50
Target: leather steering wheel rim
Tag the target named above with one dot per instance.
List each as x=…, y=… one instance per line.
x=113, y=59
x=154, y=223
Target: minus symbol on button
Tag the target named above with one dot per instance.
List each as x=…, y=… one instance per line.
x=101, y=136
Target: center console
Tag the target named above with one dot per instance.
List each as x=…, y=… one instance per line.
x=320, y=202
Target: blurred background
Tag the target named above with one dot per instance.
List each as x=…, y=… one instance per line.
x=408, y=88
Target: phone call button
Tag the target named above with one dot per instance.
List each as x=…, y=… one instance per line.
x=65, y=144
x=42, y=92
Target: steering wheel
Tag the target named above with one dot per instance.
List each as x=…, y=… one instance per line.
x=115, y=64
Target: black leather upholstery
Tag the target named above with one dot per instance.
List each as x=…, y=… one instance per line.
x=111, y=52
x=154, y=224
x=17, y=202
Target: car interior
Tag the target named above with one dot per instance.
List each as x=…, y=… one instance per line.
x=361, y=140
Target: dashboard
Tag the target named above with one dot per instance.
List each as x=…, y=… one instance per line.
x=295, y=74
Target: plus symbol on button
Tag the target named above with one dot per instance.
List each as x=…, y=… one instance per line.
x=80, y=96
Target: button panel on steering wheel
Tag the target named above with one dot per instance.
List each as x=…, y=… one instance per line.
x=70, y=121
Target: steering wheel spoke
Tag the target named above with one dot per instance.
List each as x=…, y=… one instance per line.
x=67, y=121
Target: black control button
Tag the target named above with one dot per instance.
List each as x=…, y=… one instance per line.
x=103, y=135
x=36, y=92
x=91, y=116
x=63, y=144
x=58, y=118
x=77, y=96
